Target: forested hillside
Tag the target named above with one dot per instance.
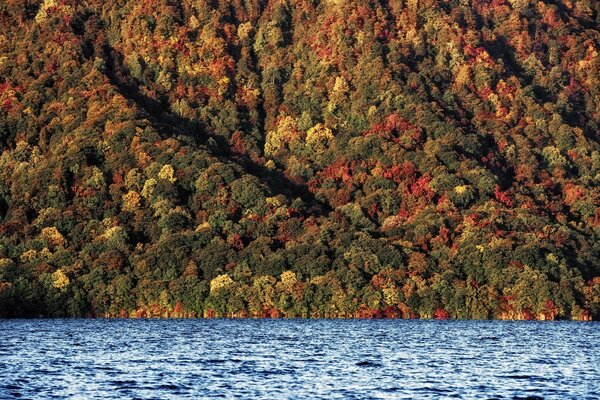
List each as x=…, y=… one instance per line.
x=300, y=158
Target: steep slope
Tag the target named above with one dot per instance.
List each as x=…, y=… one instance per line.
x=300, y=158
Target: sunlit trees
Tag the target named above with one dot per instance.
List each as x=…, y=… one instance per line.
x=294, y=158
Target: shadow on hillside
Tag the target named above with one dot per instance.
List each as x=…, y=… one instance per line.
x=167, y=123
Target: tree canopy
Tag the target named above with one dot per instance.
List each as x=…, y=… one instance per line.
x=295, y=158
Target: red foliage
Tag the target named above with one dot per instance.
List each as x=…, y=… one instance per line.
x=596, y=219
x=117, y=179
x=517, y=264
x=340, y=169
x=237, y=143
x=498, y=3
x=443, y=235
x=340, y=197
x=402, y=172
x=421, y=188
x=373, y=210
x=573, y=193
x=551, y=19
x=385, y=35
x=233, y=210
x=83, y=192
x=235, y=241
x=550, y=311
x=178, y=308
x=473, y=51
x=502, y=197
x=473, y=283
x=391, y=312
x=440, y=313
x=285, y=232
x=574, y=86
x=313, y=185
x=585, y=315
x=404, y=213
x=485, y=92
x=368, y=313
x=392, y=127
x=490, y=159
x=395, y=122
x=270, y=313
x=526, y=315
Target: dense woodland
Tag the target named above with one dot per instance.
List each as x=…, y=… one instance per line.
x=300, y=158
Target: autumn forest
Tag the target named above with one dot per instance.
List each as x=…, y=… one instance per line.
x=300, y=158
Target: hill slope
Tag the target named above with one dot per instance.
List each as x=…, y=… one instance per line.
x=338, y=158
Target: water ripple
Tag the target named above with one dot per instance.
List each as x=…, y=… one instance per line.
x=279, y=359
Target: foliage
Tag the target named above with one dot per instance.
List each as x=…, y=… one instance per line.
x=300, y=159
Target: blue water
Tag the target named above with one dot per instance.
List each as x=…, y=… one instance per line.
x=277, y=359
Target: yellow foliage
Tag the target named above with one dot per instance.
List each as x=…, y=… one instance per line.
x=28, y=256
x=115, y=232
x=318, y=280
x=319, y=138
x=223, y=84
x=45, y=253
x=273, y=202
x=193, y=22
x=390, y=295
x=272, y=143
x=60, y=280
x=194, y=70
x=131, y=201
x=132, y=178
x=43, y=10
x=463, y=76
x=165, y=79
x=53, y=236
x=167, y=173
x=148, y=190
x=286, y=130
x=162, y=206
x=392, y=222
x=163, y=299
x=553, y=156
x=224, y=81
x=270, y=164
x=203, y=226
x=340, y=85
x=96, y=179
x=519, y=4
x=244, y=30
x=111, y=232
x=460, y=189
x=289, y=279
x=219, y=283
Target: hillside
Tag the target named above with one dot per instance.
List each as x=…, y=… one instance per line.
x=300, y=158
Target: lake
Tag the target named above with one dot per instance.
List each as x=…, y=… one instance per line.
x=278, y=359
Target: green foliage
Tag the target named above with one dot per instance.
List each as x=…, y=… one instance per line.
x=299, y=159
